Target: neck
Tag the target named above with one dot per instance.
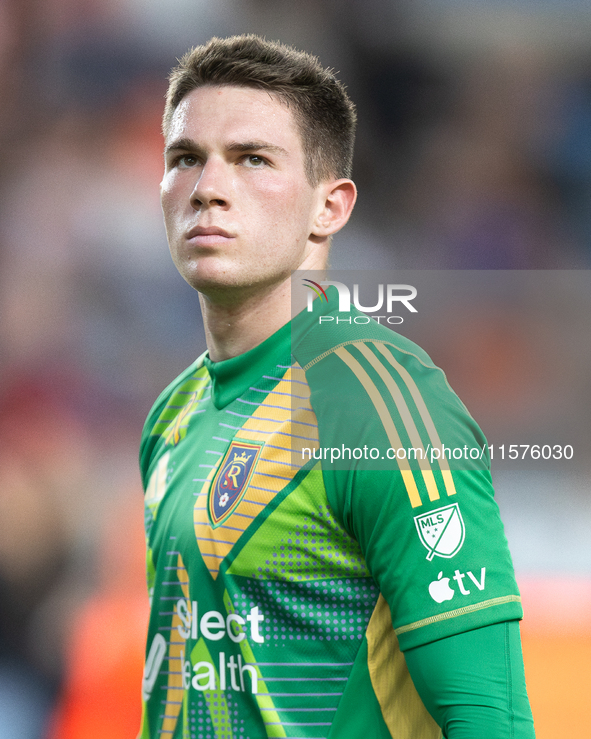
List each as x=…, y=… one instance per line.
x=234, y=328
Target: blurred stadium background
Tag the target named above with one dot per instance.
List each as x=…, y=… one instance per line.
x=474, y=152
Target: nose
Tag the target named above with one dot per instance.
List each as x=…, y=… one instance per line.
x=212, y=187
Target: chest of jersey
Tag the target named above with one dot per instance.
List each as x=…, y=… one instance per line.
x=259, y=594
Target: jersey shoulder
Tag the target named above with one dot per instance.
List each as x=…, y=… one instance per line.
x=348, y=357
x=318, y=335
x=156, y=423
x=369, y=383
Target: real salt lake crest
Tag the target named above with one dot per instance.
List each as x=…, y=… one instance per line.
x=231, y=480
x=441, y=531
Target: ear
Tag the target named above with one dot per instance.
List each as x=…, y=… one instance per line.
x=336, y=201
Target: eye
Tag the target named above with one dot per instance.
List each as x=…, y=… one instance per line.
x=254, y=160
x=186, y=160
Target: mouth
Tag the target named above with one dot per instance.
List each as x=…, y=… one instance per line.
x=208, y=236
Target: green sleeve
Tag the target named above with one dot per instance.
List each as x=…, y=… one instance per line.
x=473, y=684
x=375, y=398
x=148, y=438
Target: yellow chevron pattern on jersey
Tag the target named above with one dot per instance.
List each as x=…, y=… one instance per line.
x=286, y=423
x=174, y=419
x=176, y=654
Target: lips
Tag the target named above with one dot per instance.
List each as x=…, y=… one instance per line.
x=204, y=232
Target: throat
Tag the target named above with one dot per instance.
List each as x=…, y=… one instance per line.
x=231, y=330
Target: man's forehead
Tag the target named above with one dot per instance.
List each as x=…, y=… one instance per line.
x=248, y=112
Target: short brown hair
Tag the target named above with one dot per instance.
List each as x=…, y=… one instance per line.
x=323, y=111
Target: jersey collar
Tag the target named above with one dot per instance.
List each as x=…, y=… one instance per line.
x=232, y=377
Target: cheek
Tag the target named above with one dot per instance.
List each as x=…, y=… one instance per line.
x=286, y=204
x=165, y=194
x=170, y=198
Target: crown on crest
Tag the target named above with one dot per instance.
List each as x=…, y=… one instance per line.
x=241, y=458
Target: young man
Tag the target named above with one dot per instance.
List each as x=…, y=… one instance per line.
x=294, y=595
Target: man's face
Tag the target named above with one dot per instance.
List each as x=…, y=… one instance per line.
x=237, y=205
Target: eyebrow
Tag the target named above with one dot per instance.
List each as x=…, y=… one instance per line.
x=185, y=144
x=257, y=145
x=181, y=144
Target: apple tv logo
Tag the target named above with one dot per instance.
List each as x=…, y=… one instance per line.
x=440, y=589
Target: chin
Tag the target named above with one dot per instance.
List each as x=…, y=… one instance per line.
x=203, y=278
x=215, y=284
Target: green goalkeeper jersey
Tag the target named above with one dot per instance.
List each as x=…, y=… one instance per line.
x=313, y=508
